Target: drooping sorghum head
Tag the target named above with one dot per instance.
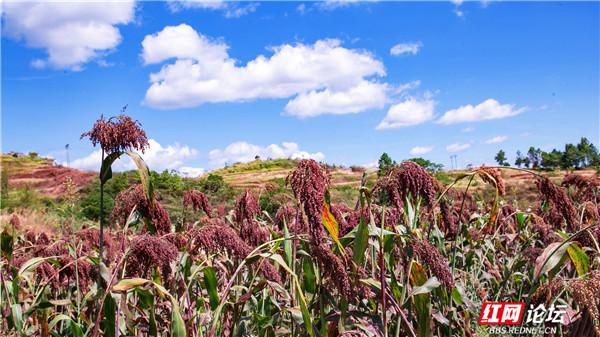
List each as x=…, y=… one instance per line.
x=586, y=188
x=87, y=241
x=160, y=219
x=559, y=199
x=148, y=252
x=117, y=134
x=135, y=197
x=246, y=207
x=435, y=262
x=548, y=291
x=197, y=200
x=125, y=201
x=217, y=238
x=493, y=177
x=309, y=183
x=410, y=178
x=333, y=268
x=586, y=293
x=449, y=220
x=253, y=233
x=545, y=231
x=507, y=218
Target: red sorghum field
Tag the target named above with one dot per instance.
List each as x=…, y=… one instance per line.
x=410, y=257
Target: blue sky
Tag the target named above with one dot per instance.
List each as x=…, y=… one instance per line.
x=214, y=83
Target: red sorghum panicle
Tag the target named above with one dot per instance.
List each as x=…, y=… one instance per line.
x=586, y=292
x=532, y=253
x=333, y=268
x=285, y=214
x=160, y=219
x=117, y=134
x=176, y=239
x=253, y=233
x=197, y=200
x=560, y=200
x=246, y=207
x=125, y=201
x=493, y=177
x=591, y=212
x=309, y=183
x=411, y=178
x=586, y=188
x=507, y=218
x=88, y=241
x=435, y=262
x=545, y=231
x=135, y=196
x=148, y=252
x=449, y=220
x=338, y=212
x=215, y=238
x=547, y=292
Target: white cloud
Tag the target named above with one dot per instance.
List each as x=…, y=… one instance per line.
x=488, y=109
x=496, y=140
x=177, y=5
x=157, y=157
x=420, y=150
x=468, y=129
x=333, y=4
x=237, y=11
x=410, y=112
x=364, y=96
x=72, y=33
x=190, y=172
x=203, y=72
x=301, y=9
x=457, y=147
x=406, y=48
x=182, y=42
x=246, y=152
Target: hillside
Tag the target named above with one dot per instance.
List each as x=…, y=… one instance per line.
x=43, y=176
x=261, y=176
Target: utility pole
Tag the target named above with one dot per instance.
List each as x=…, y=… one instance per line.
x=67, y=151
x=453, y=162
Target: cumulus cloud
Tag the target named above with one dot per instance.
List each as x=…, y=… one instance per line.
x=71, y=33
x=203, y=72
x=412, y=111
x=246, y=152
x=158, y=158
x=488, y=109
x=406, y=48
x=496, y=140
x=364, y=96
x=420, y=150
x=457, y=147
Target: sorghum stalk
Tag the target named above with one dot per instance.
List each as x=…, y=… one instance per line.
x=382, y=270
x=101, y=242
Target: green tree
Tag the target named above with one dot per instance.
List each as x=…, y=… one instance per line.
x=501, y=158
x=385, y=161
x=428, y=165
x=551, y=160
x=588, y=154
x=521, y=160
x=535, y=157
x=570, y=158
